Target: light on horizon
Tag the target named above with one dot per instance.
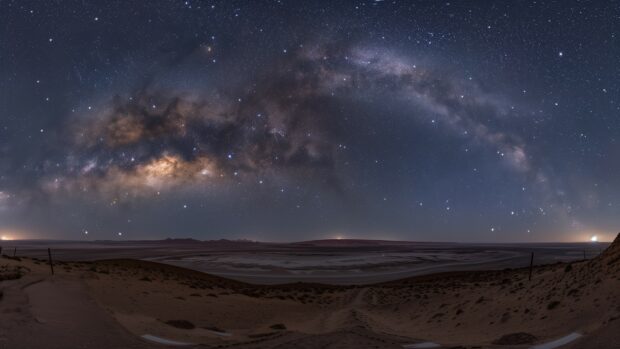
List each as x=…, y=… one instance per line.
x=5, y=238
x=594, y=238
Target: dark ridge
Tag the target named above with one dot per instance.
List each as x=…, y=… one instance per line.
x=611, y=255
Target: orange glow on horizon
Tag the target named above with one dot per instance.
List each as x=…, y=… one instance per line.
x=13, y=234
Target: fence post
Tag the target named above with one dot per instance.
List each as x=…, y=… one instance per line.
x=584, y=255
x=14, y=251
x=531, y=266
x=49, y=254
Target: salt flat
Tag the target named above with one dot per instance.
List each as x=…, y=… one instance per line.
x=341, y=262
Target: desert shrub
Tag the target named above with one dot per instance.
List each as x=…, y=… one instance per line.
x=515, y=339
x=183, y=324
x=215, y=329
x=553, y=305
x=278, y=327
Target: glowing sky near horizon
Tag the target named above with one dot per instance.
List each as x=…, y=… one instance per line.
x=284, y=120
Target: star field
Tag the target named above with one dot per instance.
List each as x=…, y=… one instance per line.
x=284, y=120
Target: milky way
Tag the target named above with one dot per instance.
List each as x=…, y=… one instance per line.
x=283, y=122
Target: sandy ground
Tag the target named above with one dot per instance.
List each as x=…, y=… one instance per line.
x=46, y=312
x=111, y=304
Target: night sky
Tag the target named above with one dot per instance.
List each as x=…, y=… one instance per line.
x=285, y=121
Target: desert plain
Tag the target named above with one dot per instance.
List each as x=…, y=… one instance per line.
x=318, y=294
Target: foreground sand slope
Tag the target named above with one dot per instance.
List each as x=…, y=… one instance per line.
x=116, y=302
x=38, y=311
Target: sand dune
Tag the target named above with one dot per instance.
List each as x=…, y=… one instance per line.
x=115, y=303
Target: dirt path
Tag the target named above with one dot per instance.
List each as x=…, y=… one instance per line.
x=57, y=313
x=358, y=299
